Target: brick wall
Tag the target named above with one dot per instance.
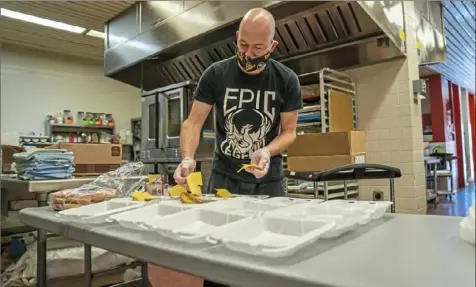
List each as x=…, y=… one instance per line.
x=392, y=120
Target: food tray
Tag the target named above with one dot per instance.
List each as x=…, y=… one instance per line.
x=271, y=236
x=139, y=218
x=193, y=225
x=346, y=218
x=373, y=209
x=97, y=213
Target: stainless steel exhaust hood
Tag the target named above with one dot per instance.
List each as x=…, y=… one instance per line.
x=158, y=43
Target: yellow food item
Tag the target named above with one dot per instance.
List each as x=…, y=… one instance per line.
x=188, y=198
x=142, y=196
x=194, y=179
x=223, y=193
x=177, y=190
x=194, y=182
x=195, y=190
x=245, y=166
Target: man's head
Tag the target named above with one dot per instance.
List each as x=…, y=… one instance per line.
x=255, y=35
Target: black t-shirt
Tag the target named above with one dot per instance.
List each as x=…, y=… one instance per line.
x=247, y=111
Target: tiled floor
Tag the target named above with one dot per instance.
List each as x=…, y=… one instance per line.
x=458, y=206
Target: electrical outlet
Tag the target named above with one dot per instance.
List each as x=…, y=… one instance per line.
x=378, y=195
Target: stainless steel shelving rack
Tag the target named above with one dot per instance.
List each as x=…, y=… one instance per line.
x=334, y=92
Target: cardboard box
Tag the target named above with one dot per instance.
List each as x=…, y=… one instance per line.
x=92, y=159
x=325, y=144
x=7, y=156
x=324, y=151
x=322, y=163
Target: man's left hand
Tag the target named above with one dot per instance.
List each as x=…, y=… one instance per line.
x=261, y=158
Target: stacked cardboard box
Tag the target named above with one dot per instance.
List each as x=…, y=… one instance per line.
x=94, y=159
x=323, y=151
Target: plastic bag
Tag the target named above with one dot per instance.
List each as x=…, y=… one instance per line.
x=118, y=183
x=467, y=227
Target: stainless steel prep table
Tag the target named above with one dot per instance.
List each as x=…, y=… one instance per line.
x=398, y=250
x=41, y=188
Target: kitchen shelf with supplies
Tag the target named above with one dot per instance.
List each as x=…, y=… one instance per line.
x=328, y=106
x=75, y=130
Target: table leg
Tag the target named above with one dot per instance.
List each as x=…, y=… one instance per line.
x=392, y=195
x=42, y=199
x=435, y=184
x=4, y=202
x=88, y=276
x=144, y=274
x=41, y=258
x=41, y=247
x=346, y=196
x=326, y=191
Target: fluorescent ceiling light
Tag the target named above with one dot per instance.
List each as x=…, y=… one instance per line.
x=41, y=21
x=94, y=33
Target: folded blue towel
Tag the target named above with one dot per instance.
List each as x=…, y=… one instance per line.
x=44, y=164
x=32, y=174
x=46, y=154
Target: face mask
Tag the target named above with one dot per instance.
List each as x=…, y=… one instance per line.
x=252, y=64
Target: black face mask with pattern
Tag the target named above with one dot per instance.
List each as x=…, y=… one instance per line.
x=252, y=64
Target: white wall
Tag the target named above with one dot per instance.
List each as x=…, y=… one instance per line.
x=34, y=84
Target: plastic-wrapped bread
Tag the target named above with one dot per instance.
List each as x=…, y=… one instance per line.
x=117, y=183
x=69, y=198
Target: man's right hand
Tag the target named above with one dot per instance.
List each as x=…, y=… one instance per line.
x=186, y=167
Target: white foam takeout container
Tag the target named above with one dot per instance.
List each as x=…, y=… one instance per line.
x=193, y=225
x=97, y=213
x=271, y=236
x=291, y=201
x=346, y=218
x=373, y=210
x=141, y=218
x=245, y=205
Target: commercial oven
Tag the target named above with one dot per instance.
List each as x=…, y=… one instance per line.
x=163, y=112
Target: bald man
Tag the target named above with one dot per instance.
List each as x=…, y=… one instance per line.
x=256, y=101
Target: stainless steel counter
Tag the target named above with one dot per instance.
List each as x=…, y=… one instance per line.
x=399, y=250
x=43, y=185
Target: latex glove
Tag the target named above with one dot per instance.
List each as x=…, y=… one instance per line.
x=261, y=158
x=186, y=167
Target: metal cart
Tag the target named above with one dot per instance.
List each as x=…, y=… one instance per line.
x=352, y=172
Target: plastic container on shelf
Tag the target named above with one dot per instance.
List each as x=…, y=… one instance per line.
x=103, y=118
x=89, y=120
x=110, y=120
x=143, y=218
x=194, y=225
x=59, y=118
x=98, y=213
x=80, y=118
x=373, y=209
x=97, y=119
x=271, y=236
x=68, y=117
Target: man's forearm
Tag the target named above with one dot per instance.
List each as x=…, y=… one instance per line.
x=189, y=138
x=281, y=142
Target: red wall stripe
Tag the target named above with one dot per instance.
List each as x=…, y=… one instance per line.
x=438, y=108
x=456, y=113
x=472, y=118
